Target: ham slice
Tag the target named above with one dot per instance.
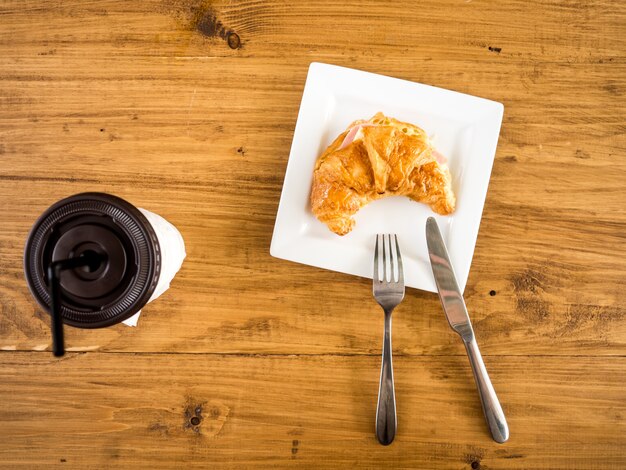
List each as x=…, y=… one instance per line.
x=440, y=158
x=351, y=135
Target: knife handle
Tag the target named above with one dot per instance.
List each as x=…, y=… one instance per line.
x=386, y=419
x=488, y=398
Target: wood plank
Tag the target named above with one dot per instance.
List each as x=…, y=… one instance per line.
x=141, y=101
x=96, y=410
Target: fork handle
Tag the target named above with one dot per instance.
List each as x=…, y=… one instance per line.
x=386, y=420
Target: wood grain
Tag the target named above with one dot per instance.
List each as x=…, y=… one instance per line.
x=125, y=410
x=187, y=108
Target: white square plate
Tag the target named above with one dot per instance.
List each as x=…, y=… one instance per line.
x=464, y=128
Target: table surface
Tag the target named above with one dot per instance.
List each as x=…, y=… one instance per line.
x=188, y=108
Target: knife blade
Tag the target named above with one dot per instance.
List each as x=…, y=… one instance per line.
x=445, y=279
x=456, y=312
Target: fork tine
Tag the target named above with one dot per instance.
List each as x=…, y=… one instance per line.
x=392, y=275
x=376, y=275
x=400, y=270
x=385, y=279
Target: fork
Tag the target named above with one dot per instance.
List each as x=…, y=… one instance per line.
x=388, y=293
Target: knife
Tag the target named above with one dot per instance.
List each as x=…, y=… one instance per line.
x=456, y=313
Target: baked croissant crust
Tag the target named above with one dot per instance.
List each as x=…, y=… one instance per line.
x=374, y=159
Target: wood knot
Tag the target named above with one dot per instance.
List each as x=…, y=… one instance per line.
x=233, y=40
x=206, y=22
x=193, y=415
x=294, y=447
x=205, y=418
x=474, y=459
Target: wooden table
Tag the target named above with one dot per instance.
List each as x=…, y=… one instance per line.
x=187, y=108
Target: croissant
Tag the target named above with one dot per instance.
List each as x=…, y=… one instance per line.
x=373, y=159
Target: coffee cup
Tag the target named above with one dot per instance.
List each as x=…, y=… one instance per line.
x=93, y=260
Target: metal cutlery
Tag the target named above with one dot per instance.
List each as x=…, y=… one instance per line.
x=456, y=313
x=388, y=291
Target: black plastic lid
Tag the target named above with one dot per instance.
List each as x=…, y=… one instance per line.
x=123, y=238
